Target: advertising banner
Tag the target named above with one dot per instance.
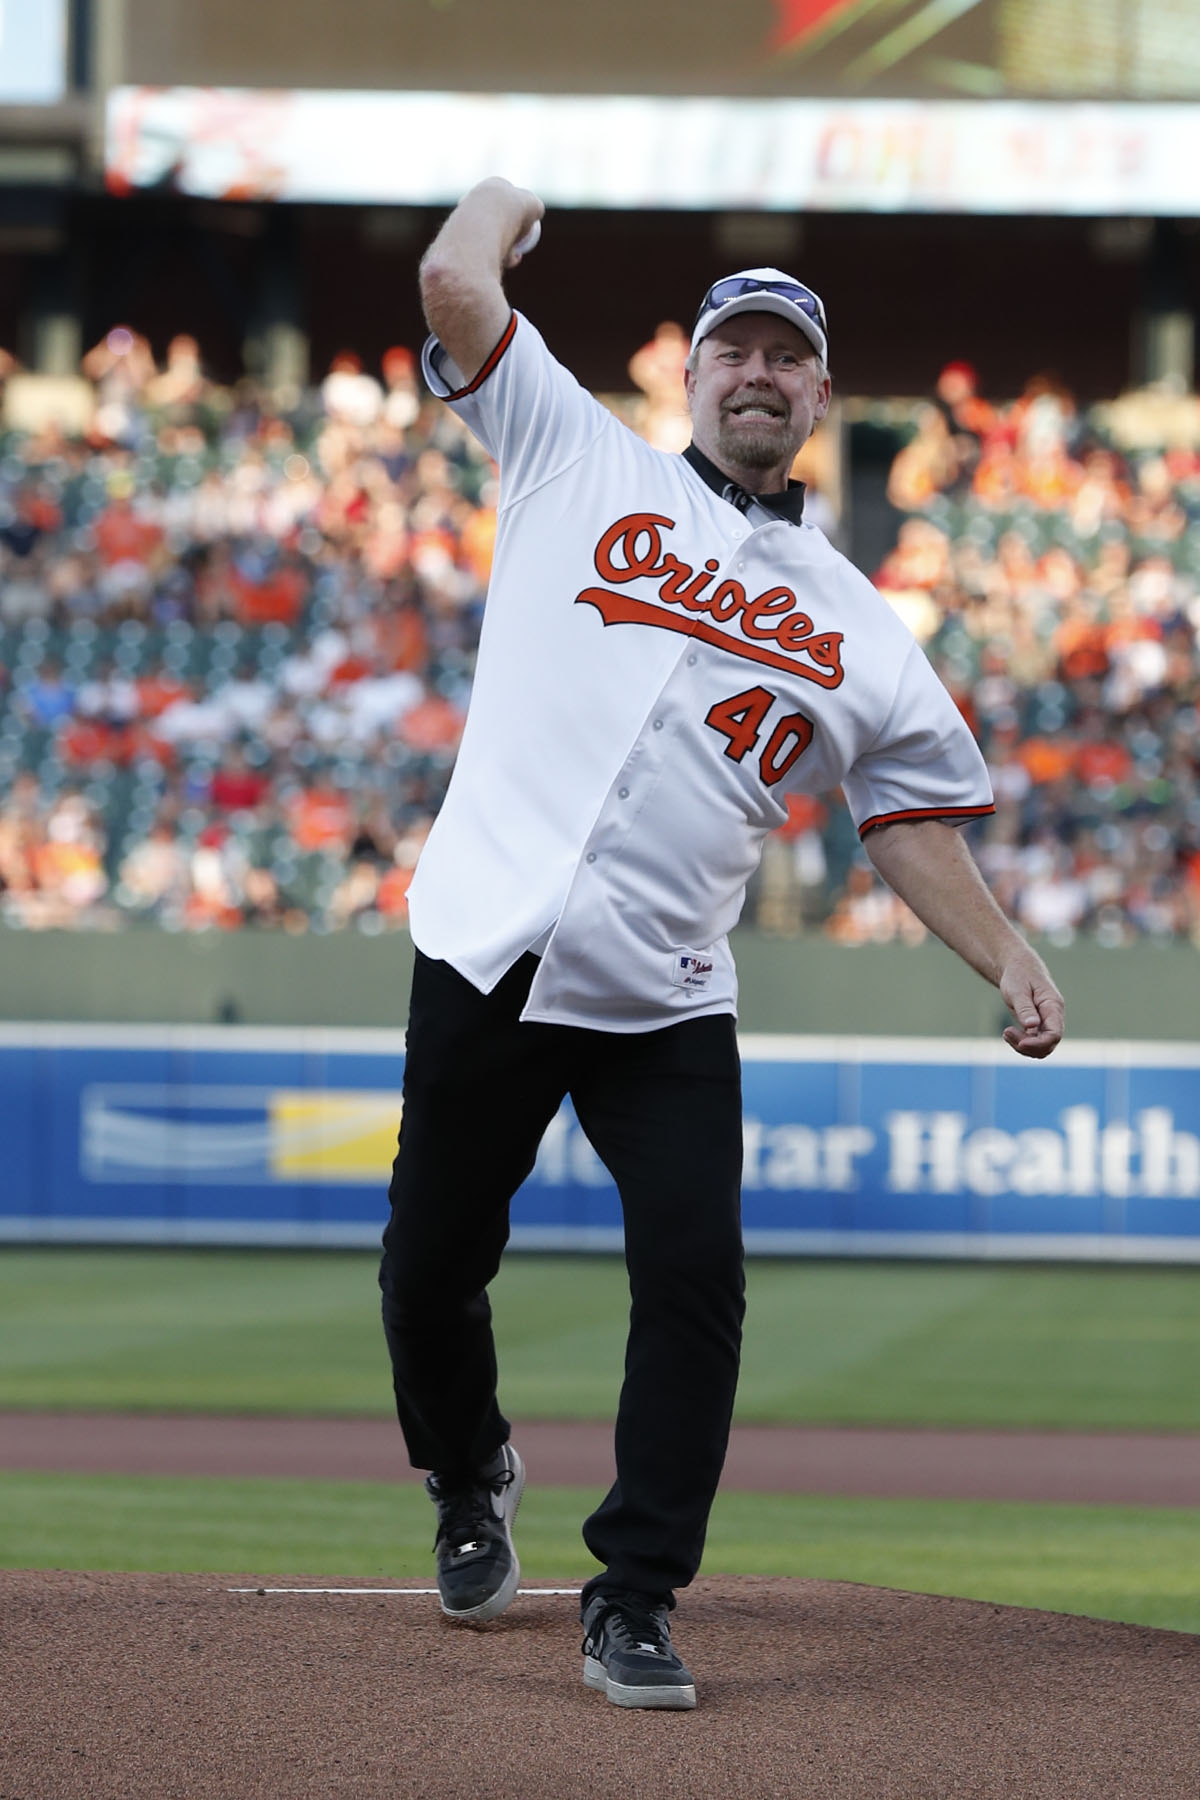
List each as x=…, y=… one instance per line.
x=428, y=148
x=869, y=1146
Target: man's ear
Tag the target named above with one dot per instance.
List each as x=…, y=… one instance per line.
x=689, y=385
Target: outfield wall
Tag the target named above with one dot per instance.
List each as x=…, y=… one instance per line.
x=787, y=985
x=877, y=1146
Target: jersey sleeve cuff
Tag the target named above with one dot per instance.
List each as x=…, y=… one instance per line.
x=444, y=378
x=953, y=815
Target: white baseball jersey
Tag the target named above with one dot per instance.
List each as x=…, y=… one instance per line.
x=657, y=672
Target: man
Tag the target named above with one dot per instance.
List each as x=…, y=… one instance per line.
x=667, y=653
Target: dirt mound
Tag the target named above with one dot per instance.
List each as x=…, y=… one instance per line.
x=152, y=1687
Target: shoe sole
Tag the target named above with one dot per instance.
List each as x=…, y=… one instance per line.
x=506, y=1593
x=663, y=1698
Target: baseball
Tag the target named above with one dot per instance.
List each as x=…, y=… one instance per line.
x=529, y=242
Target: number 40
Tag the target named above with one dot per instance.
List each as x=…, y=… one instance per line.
x=741, y=719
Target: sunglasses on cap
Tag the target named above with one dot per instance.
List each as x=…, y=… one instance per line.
x=736, y=287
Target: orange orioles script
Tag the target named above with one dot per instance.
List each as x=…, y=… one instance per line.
x=773, y=629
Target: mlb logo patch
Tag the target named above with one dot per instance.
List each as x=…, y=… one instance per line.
x=691, y=970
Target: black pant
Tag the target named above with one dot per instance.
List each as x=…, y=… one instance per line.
x=663, y=1111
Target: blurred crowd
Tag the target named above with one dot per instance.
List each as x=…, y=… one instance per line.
x=236, y=645
x=237, y=636
x=1049, y=560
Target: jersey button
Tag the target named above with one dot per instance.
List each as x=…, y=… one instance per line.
x=622, y=793
x=692, y=661
x=590, y=857
x=658, y=724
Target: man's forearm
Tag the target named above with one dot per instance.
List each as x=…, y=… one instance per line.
x=930, y=867
x=462, y=289
x=927, y=863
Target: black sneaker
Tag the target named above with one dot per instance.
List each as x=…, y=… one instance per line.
x=627, y=1653
x=477, y=1567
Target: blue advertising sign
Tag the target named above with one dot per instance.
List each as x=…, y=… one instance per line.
x=869, y=1146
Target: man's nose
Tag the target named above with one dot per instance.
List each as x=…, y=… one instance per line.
x=757, y=368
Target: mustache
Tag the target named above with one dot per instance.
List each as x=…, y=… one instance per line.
x=770, y=403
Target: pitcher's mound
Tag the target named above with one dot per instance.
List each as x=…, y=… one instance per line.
x=165, y=1686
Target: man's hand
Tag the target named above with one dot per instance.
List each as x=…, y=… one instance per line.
x=1035, y=1003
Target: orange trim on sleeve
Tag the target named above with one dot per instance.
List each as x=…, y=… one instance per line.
x=927, y=812
x=462, y=392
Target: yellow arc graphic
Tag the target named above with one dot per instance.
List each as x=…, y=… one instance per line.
x=334, y=1136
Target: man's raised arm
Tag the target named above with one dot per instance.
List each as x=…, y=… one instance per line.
x=462, y=271
x=927, y=863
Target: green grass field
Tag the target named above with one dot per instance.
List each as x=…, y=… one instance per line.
x=1095, y=1348
x=935, y=1344
x=1125, y=1563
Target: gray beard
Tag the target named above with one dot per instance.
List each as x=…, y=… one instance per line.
x=760, y=447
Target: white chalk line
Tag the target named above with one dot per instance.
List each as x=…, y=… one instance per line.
x=522, y=1593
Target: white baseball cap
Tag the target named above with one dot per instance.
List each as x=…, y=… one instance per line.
x=765, y=290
